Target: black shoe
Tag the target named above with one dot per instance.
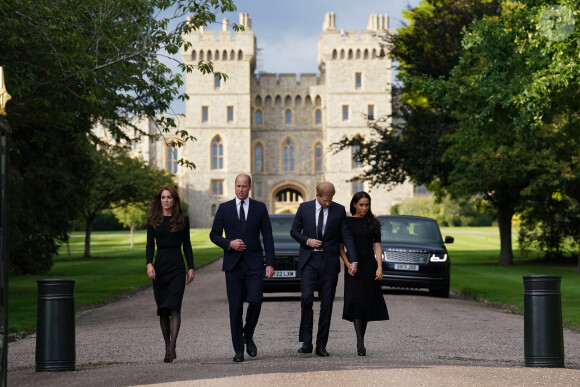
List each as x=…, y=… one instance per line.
x=172, y=356
x=239, y=357
x=251, y=347
x=306, y=348
x=362, y=352
x=321, y=351
x=167, y=359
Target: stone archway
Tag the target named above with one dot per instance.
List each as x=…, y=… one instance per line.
x=286, y=200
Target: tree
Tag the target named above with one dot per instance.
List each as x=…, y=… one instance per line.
x=131, y=215
x=113, y=177
x=69, y=65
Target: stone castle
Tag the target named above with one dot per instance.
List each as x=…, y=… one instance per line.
x=277, y=127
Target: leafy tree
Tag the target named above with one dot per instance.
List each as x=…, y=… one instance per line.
x=69, y=65
x=131, y=215
x=115, y=177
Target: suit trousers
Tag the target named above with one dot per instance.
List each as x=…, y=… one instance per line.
x=314, y=272
x=243, y=284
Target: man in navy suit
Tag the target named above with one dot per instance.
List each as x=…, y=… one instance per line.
x=320, y=226
x=243, y=219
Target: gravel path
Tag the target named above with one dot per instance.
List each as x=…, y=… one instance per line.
x=428, y=341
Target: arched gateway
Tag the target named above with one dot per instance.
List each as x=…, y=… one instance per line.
x=286, y=200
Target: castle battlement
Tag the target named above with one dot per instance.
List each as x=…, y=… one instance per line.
x=267, y=80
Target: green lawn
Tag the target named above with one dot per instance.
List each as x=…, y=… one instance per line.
x=475, y=272
x=116, y=270
x=113, y=270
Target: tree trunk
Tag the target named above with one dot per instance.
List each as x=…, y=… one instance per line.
x=88, y=229
x=504, y=217
x=132, y=231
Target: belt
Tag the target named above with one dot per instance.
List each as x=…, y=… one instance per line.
x=318, y=252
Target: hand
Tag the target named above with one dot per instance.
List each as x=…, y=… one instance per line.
x=379, y=274
x=314, y=243
x=150, y=271
x=190, y=275
x=269, y=271
x=238, y=245
x=352, y=268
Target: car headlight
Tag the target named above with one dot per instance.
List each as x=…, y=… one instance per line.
x=384, y=256
x=439, y=257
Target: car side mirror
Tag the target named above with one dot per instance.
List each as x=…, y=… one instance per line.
x=449, y=239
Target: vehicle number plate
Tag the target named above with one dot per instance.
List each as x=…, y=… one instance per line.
x=401, y=266
x=285, y=273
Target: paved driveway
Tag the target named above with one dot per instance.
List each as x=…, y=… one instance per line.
x=428, y=341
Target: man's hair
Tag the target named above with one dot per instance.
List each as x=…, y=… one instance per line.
x=246, y=175
x=325, y=188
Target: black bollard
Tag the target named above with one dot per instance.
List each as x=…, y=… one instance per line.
x=55, y=325
x=543, y=336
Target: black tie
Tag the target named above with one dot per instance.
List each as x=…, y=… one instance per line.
x=242, y=215
x=320, y=224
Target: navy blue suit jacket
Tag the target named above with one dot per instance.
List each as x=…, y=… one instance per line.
x=257, y=221
x=336, y=231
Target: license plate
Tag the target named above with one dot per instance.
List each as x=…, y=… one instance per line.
x=402, y=266
x=285, y=273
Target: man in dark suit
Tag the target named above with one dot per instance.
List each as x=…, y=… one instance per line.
x=320, y=226
x=243, y=219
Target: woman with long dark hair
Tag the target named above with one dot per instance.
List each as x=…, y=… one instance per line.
x=363, y=296
x=168, y=228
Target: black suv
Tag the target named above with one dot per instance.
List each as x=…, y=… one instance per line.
x=414, y=254
x=286, y=274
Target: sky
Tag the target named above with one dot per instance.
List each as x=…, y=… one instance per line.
x=287, y=32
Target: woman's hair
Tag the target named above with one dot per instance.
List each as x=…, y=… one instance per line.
x=155, y=210
x=371, y=222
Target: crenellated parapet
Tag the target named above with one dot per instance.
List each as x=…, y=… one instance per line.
x=340, y=44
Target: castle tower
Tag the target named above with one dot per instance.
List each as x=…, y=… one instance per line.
x=218, y=116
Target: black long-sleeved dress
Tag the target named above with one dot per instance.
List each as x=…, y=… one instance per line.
x=170, y=273
x=363, y=295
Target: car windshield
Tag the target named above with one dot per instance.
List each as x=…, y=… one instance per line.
x=417, y=231
x=281, y=228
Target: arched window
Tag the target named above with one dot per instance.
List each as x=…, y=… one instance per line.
x=193, y=55
x=217, y=55
x=208, y=54
x=374, y=55
x=240, y=55
x=288, y=101
x=224, y=55
x=288, y=116
x=318, y=158
x=258, y=101
x=217, y=153
x=172, y=158
x=201, y=55
x=334, y=54
x=349, y=54
x=356, y=160
x=341, y=54
x=232, y=55
x=317, y=116
x=288, y=156
x=358, y=54
x=259, y=158
x=366, y=54
x=258, y=117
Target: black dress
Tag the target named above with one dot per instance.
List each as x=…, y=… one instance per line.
x=170, y=273
x=363, y=295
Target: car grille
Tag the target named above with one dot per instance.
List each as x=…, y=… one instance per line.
x=286, y=263
x=407, y=256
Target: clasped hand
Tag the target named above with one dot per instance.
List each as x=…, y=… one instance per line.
x=238, y=245
x=352, y=269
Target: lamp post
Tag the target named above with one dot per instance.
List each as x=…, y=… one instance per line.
x=4, y=136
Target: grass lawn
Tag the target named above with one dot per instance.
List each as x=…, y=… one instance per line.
x=475, y=272
x=113, y=270
x=116, y=270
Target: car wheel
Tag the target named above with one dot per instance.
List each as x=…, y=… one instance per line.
x=440, y=292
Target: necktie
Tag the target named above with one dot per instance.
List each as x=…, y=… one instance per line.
x=242, y=215
x=320, y=224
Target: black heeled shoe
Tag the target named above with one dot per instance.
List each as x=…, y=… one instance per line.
x=167, y=358
x=362, y=351
x=172, y=356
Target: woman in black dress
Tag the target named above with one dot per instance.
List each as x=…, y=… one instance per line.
x=169, y=229
x=363, y=296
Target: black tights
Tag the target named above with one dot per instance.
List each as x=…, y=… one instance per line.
x=360, y=327
x=170, y=328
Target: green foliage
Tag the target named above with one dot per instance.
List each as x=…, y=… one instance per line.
x=70, y=65
x=447, y=212
x=115, y=177
x=131, y=215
